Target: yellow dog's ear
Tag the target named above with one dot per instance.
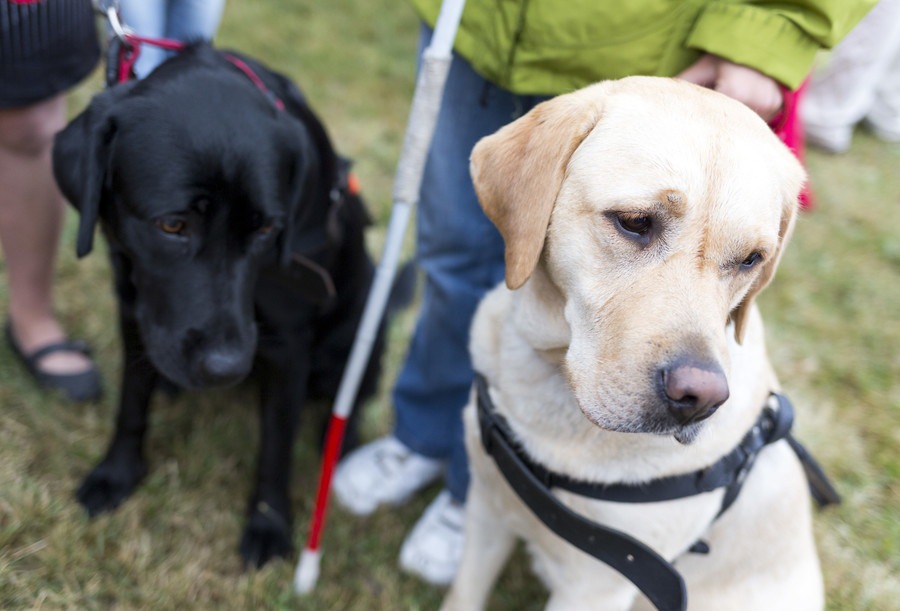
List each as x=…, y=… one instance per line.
x=518, y=171
x=788, y=217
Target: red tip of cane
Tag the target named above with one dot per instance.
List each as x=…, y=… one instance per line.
x=333, y=444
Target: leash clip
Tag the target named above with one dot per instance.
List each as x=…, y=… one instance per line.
x=118, y=28
x=110, y=10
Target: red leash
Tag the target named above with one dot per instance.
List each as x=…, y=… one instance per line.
x=130, y=50
x=241, y=65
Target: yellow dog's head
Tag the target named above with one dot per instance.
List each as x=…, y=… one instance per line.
x=651, y=212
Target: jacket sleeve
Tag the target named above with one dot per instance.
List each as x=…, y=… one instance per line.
x=778, y=38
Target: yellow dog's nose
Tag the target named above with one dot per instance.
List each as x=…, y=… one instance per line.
x=694, y=391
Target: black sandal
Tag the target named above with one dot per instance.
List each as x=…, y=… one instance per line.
x=84, y=386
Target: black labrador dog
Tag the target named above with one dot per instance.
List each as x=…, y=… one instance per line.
x=236, y=245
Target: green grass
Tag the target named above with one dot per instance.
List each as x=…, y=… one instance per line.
x=832, y=319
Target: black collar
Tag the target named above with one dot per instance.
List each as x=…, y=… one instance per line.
x=652, y=574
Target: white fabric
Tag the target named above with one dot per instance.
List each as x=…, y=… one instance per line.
x=860, y=80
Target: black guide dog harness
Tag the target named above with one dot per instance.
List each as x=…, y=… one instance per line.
x=653, y=575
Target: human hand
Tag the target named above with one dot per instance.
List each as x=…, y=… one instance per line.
x=758, y=91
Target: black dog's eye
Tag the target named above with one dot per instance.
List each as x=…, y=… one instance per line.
x=752, y=259
x=261, y=225
x=171, y=224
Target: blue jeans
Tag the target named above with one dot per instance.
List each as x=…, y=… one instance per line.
x=461, y=254
x=185, y=20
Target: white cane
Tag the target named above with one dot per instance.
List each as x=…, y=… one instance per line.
x=407, y=181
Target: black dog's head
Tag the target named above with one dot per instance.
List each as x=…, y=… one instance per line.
x=199, y=181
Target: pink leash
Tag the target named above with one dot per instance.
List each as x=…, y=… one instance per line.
x=130, y=50
x=789, y=127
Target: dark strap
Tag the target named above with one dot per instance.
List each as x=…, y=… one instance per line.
x=650, y=572
x=729, y=471
x=315, y=282
x=66, y=345
x=821, y=489
x=770, y=427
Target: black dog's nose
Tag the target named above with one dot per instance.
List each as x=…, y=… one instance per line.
x=693, y=391
x=222, y=367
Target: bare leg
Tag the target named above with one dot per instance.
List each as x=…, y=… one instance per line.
x=31, y=215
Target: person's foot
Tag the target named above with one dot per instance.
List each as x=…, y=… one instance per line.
x=383, y=472
x=434, y=547
x=55, y=362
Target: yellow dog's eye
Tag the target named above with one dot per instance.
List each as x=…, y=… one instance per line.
x=171, y=225
x=635, y=223
x=752, y=259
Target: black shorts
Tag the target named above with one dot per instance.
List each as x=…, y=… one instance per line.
x=46, y=47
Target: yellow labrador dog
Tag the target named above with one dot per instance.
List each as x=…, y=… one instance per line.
x=641, y=218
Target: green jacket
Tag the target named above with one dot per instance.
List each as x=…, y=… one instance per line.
x=554, y=46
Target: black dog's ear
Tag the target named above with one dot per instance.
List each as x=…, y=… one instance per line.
x=80, y=161
x=313, y=163
x=315, y=176
x=305, y=197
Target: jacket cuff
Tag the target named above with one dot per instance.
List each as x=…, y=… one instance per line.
x=755, y=37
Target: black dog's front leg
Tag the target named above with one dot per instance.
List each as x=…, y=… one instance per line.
x=116, y=476
x=268, y=533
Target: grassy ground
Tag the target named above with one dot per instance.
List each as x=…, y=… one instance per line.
x=833, y=332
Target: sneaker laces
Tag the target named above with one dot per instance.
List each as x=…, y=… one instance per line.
x=390, y=458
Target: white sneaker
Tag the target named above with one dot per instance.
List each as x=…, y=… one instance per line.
x=433, y=550
x=384, y=471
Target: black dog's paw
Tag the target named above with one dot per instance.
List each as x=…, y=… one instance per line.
x=266, y=536
x=108, y=485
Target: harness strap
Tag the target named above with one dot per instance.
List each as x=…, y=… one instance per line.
x=653, y=575
x=728, y=471
x=820, y=487
x=650, y=572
